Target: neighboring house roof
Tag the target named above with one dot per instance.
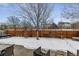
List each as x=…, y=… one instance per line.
x=64, y=25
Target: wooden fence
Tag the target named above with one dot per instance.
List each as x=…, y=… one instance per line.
x=45, y=33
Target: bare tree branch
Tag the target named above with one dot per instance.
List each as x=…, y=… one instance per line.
x=36, y=13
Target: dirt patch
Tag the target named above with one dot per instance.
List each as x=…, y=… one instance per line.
x=22, y=51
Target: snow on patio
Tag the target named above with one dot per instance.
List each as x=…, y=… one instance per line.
x=45, y=43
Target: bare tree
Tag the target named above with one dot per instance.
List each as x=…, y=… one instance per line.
x=36, y=14
x=14, y=21
x=25, y=24
x=3, y=26
x=71, y=12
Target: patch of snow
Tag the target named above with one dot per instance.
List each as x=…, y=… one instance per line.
x=45, y=43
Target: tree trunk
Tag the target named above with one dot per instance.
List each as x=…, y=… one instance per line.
x=37, y=34
x=24, y=32
x=15, y=30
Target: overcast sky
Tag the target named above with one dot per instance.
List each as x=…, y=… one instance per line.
x=10, y=10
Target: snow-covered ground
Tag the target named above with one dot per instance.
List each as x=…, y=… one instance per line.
x=45, y=43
